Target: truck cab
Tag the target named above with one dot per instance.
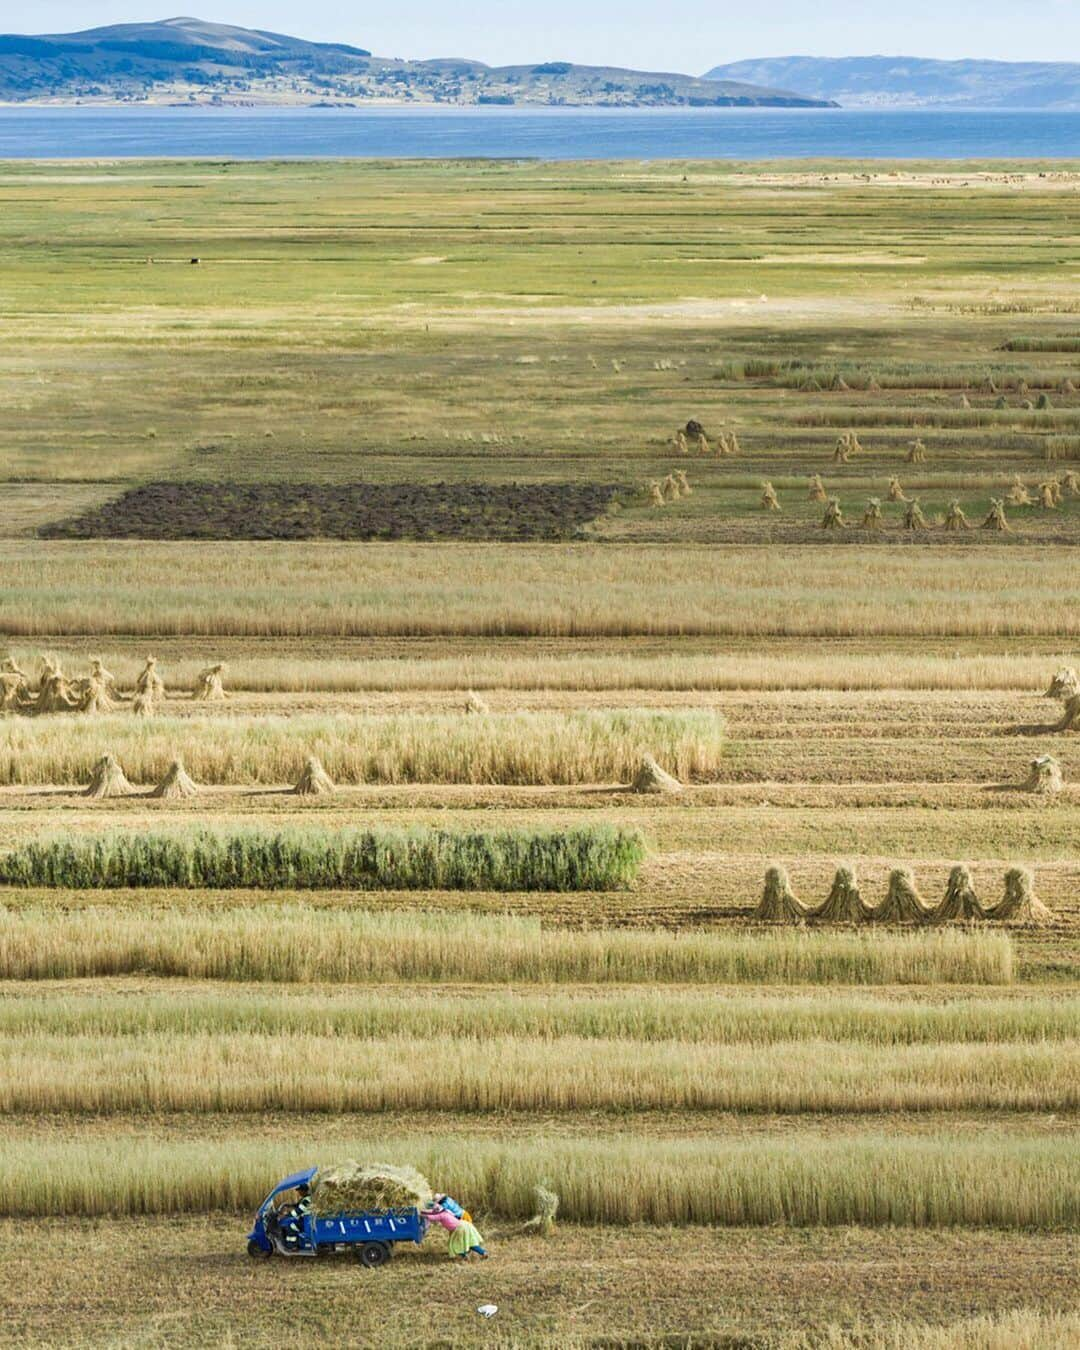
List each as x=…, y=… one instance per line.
x=282, y=1229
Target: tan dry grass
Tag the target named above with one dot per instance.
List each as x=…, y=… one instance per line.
x=197, y=1072
x=331, y=590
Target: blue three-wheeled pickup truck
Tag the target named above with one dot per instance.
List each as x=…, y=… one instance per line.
x=284, y=1226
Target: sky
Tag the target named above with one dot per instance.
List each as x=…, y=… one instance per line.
x=690, y=36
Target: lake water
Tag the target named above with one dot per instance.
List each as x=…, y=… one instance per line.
x=546, y=133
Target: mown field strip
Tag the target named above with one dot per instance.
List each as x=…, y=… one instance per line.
x=512, y=748
x=289, y=1072
x=1003, y=1182
x=706, y=1016
x=341, y=590
x=294, y=943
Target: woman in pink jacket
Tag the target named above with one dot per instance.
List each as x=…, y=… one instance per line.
x=464, y=1239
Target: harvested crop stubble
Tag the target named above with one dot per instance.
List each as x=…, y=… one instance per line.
x=695, y=1016
x=1014, y=1329
x=289, y=943
x=512, y=748
x=280, y=1072
x=1006, y=1182
x=589, y=858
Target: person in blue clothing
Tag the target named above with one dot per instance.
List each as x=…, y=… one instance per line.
x=291, y=1217
x=447, y=1202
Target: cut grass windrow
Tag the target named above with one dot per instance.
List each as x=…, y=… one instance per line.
x=1006, y=1182
x=291, y=943
x=251, y=1073
x=588, y=858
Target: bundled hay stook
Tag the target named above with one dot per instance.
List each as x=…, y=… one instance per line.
x=914, y=518
x=916, y=452
x=95, y=693
x=475, y=705
x=1049, y=495
x=996, y=520
x=1019, y=904
x=896, y=492
x=728, y=444
x=769, y=500
x=1066, y=686
x=55, y=693
x=650, y=777
x=669, y=488
x=872, y=517
x=149, y=690
x=542, y=1222
x=680, y=477
x=360, y=1188
x=817, y=491
x=833, y=519
x=779, y=903
x=15, y=693
x=902, y=903
x=1018, y=495
x=176, y=785
x=208, y=686
x=108, y=780
x=960, y=901
x=314, y=781
x=955, y=519
x=654, y=492
x=1045, y=778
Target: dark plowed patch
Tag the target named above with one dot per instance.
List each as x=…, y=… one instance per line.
x=534, y=511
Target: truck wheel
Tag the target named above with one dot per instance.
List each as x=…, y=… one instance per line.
x=372, y=1254
x=259, y=1253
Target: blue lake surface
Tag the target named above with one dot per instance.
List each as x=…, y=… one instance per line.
x=545, y=133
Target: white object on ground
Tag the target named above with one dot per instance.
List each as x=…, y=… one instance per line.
x=487, y=1309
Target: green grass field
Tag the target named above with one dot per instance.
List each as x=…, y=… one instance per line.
x=855, y=1139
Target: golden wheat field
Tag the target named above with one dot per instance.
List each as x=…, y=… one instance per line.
x=288, y=692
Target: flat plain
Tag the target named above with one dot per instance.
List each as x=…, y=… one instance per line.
x=761, y=1135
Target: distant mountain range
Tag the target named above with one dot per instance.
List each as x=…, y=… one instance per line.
x=192, y=62
x=915, y=82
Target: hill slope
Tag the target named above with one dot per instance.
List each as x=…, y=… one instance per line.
x=916, y=82
x=190, y=61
